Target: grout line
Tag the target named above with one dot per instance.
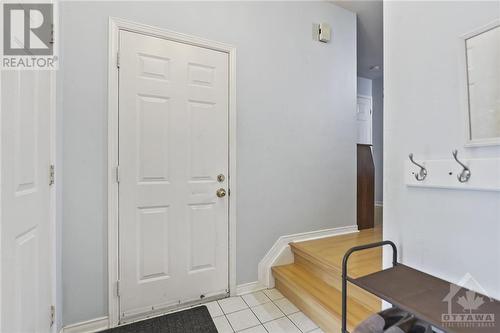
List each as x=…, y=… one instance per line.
x=249, y=308
x=230, y=325
x=250, y=328
x=298, y=310
x=225, y=315
x=283, y=314
x=241, y=311
x=270, y=300
x=220, y=308
x=262, y=323
x=296, y=324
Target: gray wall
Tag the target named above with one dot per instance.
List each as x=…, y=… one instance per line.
x=296, y=127
x=444, y=232
x=378, y=136
x=364, y=86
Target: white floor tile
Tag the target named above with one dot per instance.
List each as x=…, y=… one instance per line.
x=286, y=306
x=242, y=320
x=254, y=299
x=282, y=325
x=267, y=312
x=214, y=309
x=256, y=329
x=273, y=294
x=318, y=330
x=222, y=325
x=303, y=322
x=232, y=304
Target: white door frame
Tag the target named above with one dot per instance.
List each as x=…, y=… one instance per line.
x=115, y=25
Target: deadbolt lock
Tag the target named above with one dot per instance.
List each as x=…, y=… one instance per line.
x=221, y=178
x=221, y=193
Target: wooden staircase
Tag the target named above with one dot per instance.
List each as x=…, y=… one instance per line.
x=313, y=282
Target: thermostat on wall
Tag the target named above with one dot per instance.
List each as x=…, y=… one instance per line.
x=325, y=33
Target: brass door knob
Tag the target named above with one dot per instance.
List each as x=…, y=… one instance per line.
x=221, y=193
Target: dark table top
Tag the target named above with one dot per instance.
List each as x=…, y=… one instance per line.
x=446, y=306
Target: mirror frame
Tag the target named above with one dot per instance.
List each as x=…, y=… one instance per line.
x=464, y=84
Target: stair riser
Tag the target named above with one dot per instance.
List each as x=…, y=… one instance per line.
x=317, y=299
x=311, y=308
x=334, y=279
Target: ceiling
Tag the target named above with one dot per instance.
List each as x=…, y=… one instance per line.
x=370, y=35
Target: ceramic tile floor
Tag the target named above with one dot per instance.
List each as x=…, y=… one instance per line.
x=266, y=311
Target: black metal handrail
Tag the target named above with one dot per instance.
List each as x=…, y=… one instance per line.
x=346, y=278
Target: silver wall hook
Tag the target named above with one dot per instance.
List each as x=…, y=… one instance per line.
x=464, y=176
x=423, y=171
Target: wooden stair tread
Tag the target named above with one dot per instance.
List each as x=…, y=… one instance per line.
x=329, y=252
x=306, y=285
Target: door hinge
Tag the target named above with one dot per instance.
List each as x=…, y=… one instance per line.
x=117, y=59
x=52, y=38
x=52, y=178
x=118, y=288
x=117, y=174
x=52, y=315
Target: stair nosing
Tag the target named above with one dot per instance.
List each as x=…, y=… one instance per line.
x=315, y=259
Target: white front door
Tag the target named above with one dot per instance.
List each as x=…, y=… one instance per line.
x=25, y=202
x=364, y=120
x=173, y=145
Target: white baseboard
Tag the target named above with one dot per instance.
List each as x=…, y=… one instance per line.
x=89, y=326
x=247, y=288
x=281, y=254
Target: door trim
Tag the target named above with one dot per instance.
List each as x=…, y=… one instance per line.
x=115, y=25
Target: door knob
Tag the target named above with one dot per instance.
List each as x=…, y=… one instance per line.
x=221, y=193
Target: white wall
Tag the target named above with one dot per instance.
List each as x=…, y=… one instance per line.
x=444, y=232
x=296, y=127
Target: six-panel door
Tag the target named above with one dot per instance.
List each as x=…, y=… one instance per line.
x=364, y=120
x=173, y=143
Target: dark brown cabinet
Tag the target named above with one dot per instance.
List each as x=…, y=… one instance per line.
x=365, y=187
